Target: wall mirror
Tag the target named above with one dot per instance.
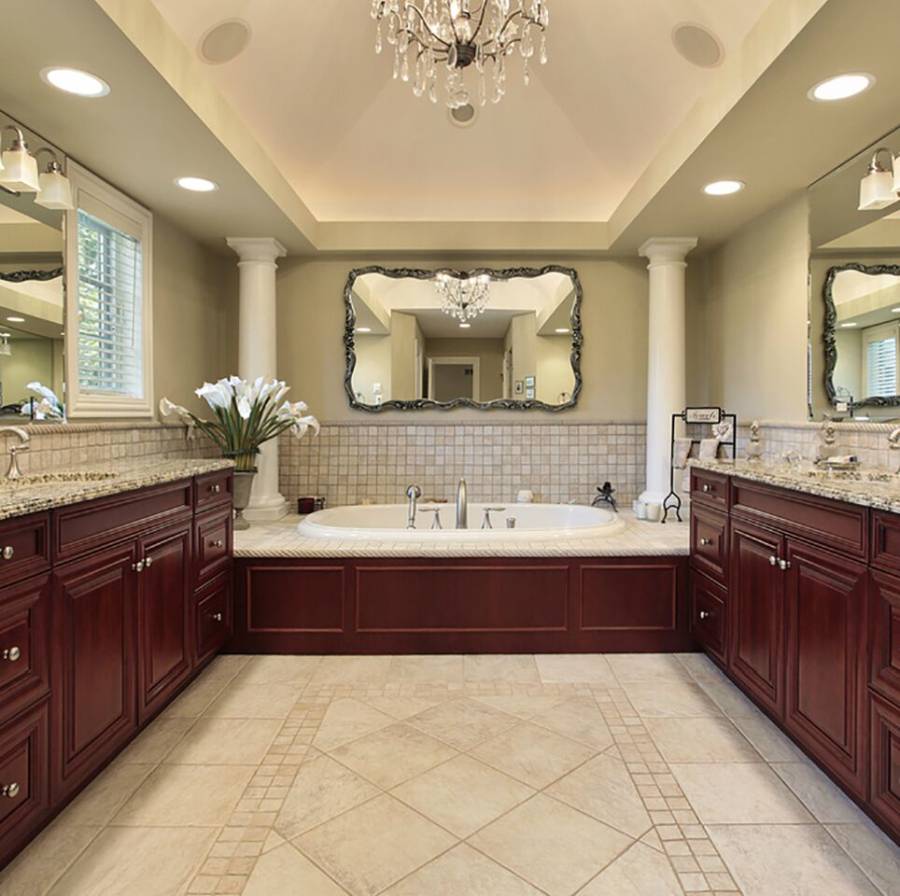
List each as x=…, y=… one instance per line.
x=32, y=298
x=485, y=338
x=854, y=297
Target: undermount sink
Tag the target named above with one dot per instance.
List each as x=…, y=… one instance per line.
x=70, y=476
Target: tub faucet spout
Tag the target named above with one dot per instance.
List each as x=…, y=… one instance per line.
x=462, y=506
x=413, y=493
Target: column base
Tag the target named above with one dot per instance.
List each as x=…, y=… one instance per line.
x=271, y=510
x=650, y=497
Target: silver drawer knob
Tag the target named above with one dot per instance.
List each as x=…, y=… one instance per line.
x=705, y=542
x=9, y=552
x=773, y=560
x=705, y=614
x=217, y=617
x=705, y=487
x=784, y=565
x=218, y=543
x=10, y=791
x=215, y=489
x=148, y=562
x=138, y=567
x=11, y=654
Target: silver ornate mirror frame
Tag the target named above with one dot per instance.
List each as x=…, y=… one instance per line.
x=509, y=404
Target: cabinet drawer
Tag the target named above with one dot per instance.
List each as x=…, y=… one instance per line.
x=708, y=620
x=884, y=768
x=884, y=609
x=213, y=489
x=24, y=645
x=833, y=524
x=24, y=786
x=212, y=618
x=24, y=547
x=82, y=528
x=886, y=541
x=709, y=542
x=709, y=488
x=212, y=543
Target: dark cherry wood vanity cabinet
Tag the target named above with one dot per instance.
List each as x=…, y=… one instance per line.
x=105, y=615
x=806, y=620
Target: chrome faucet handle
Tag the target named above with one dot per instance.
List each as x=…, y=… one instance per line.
x=13, y=472
x=486, y=522
x=436, y=522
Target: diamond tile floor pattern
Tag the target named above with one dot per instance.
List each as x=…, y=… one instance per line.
x=619, y=775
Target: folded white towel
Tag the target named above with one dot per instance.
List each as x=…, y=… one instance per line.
x=709, y=449
x=681, y=453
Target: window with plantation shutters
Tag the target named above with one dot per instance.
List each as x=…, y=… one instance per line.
x=880, y=360
x=110, y=323
x=108, y=265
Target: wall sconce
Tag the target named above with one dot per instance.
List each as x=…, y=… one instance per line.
x=18, y=167
x=878, y=189
x=55, y=189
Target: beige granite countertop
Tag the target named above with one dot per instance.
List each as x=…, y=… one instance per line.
x=865, y=487
x=281, y=539
x=44, y=491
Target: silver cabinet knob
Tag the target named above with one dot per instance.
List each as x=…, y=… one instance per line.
x=216, y=488
x=218, y=543
x=11, y=791
x=784, y=565
x=11, y=654
x=773, y=560
x=705, y=542
x=704, y=614
x=148, y=562
x=9, y=552
x=138, y=567
x=705, y=487
x=216, y=616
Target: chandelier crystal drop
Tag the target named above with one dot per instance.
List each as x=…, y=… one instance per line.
x=454, y=35
x=462, y=297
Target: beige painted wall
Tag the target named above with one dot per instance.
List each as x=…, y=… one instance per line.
x=311, y=331
x=373, y=365
x=194, y=315
x=554, y=368
x=31, y=359
x=755, y=309
x=405, y=335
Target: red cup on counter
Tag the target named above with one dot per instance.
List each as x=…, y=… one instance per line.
x=306, y=505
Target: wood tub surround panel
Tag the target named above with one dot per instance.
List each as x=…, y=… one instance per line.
x=100, y=626
x=457, y=605
x=812, y=614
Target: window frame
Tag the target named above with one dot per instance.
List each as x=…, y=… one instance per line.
x=85, y=184
x=880, y=333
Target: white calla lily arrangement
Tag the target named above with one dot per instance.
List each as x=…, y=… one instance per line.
x=247, y=415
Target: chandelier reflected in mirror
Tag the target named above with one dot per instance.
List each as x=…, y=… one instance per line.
x=455, y=35
x=462, y=297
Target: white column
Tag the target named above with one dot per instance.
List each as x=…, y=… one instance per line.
x=665, y=355
x=257, y=355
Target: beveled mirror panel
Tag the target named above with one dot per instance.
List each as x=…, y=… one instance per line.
x=862, y=335
x=444, y=339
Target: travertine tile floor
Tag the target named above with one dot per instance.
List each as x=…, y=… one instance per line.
x=617, y=775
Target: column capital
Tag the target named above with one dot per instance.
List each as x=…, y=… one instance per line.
x=667, y=249
x=250, y=248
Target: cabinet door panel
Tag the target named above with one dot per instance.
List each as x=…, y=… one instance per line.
x=757, y=614
x=94, y=673
x=163, y=615
x=825, y=603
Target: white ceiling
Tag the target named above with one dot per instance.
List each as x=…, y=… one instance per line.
x=357, y=146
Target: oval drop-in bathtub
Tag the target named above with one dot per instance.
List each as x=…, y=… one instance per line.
x=534, y=522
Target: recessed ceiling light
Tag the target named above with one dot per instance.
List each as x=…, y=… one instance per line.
x=464, y=326
x=724, y=187
x=850, y=323
x=73, y=80
x=841, y=87
x=363, y=329
x=196, y=184
x=895, y=310
x=563, y=330
x=16, y=320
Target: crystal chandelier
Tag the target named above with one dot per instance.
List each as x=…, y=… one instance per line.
x=463, y=298
x=457, y=34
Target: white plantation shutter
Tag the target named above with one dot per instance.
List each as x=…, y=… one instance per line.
x=109, y=309
x=881, y=361
x=110, y=334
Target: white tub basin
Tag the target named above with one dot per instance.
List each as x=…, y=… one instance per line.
x=534, y=522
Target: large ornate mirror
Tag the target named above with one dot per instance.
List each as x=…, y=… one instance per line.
x=445, y=339
x=862, y=335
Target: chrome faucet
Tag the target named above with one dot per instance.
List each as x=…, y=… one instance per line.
x=413, y=493
x=462, y=506
x=14, y=472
